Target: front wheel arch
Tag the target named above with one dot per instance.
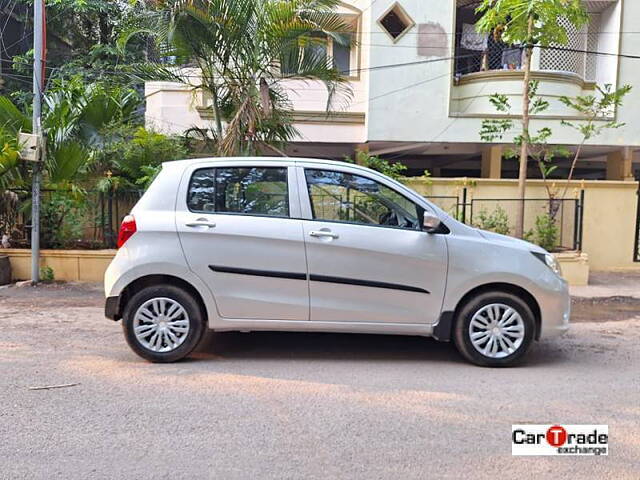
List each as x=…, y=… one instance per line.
x=444, y=329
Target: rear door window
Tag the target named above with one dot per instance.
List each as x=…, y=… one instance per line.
x=260, y=191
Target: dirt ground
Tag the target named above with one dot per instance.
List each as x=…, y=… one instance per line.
x=610, y=296
x=290, y=405
x=604, y=309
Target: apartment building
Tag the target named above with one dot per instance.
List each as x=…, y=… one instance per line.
x=421, y=79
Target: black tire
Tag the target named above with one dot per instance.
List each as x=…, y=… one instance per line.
x=196, y=320
x=461, y=334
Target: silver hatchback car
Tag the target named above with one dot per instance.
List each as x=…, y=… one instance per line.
x=314, y=245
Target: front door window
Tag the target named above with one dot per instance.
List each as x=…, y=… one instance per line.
x=345, y=197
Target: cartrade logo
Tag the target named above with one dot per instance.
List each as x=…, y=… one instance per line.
x=560, y=440
x=556, y=436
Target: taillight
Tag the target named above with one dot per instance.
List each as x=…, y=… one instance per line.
x=127, y=229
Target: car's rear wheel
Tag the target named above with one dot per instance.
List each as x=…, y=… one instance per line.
x=494, y=329
x=163, y=323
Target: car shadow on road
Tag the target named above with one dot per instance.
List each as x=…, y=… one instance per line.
x=288, y=346
x=324, y=346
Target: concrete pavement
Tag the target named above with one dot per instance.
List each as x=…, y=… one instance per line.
x=285, y=405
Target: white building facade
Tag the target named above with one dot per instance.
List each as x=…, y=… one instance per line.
x=421, y=79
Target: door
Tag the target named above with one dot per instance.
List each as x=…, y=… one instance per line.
x=367, y=257
x=238, y=235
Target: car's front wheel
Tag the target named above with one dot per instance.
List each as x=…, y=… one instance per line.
x=494, y=329
x=163, y=323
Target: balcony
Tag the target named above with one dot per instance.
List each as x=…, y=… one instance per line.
x=485, y=66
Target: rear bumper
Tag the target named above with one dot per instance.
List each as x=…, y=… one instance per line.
x=112, y=308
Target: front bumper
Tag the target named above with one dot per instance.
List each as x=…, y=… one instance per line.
x=555, y=312
x=112, y=308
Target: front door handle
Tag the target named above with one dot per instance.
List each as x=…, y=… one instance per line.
x=201, y=222
x=323, y=234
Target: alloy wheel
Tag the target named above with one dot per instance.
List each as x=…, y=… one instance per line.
x=161, y=324
x=496, y=330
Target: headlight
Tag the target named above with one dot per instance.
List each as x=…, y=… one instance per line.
x=550, y=261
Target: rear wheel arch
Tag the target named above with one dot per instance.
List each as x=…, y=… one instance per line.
x=498, y=287
x=152, y=280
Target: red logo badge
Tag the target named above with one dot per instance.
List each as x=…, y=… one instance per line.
x=556, y=436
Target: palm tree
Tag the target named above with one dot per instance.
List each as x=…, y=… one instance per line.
x=74, y=119
x=240, y=53
x=73, y=116
x=9, y=159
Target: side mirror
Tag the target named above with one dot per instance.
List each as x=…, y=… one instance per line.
x=431, y=223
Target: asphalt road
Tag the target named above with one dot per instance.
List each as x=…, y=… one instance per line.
x=275, y=405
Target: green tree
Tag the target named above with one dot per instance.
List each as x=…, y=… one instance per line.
x=74, y=115
x=595, y=112
x=133, y=155
x=240, y=52
x=81, y=41
x=9, y=157
x=528, y=23
x=85, y=23
x=393, y=170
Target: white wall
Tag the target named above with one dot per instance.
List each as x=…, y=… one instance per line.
x=419, y=103
x=404, y=110
x=400, y=108
x=171, y=107
x=609, y=42
x=628, y=73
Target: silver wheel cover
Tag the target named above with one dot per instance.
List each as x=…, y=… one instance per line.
x=161, y=324
x=496, y=330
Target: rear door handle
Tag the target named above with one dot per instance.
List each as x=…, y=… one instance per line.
x=201, y=222
x=323, y=233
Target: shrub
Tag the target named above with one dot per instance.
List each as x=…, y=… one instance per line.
x=132, y=155
x=47, y=275
x=496, y=221
x=148, y=148
x=545, y=233
x=62, y=219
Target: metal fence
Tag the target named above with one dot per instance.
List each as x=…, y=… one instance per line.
x=92, y=219
x=565, y=221
x=556, y=223
x=68, y=219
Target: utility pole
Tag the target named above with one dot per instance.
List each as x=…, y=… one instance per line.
x=39, y=41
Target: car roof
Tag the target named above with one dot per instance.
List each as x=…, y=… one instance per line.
x=283, y=160
x=295, y=160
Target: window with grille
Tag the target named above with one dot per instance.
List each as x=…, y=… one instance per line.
x=574, y=57
x=477, y=52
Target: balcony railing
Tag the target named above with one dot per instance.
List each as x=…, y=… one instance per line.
x=481, y=52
